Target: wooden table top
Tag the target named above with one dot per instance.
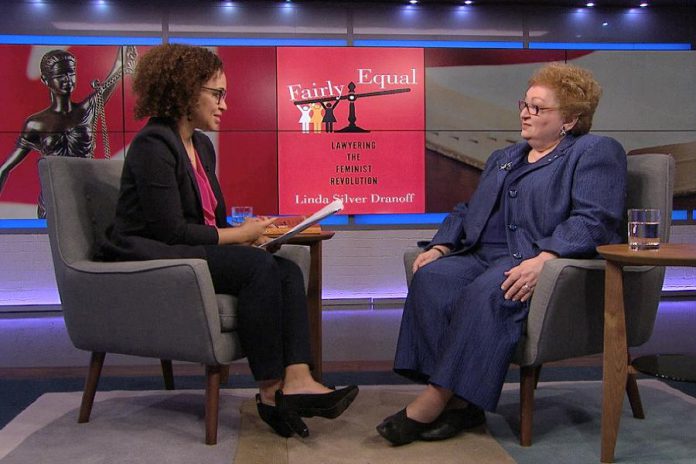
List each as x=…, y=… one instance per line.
x=669, y=254
x=308, y=239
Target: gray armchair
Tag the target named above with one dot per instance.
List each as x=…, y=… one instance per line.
x=566, y=313
x=164, y=309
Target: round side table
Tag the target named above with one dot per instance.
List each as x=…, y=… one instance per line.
x=668, y=366
x=615, y=363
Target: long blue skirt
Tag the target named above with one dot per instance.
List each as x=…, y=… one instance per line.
x=457, y=330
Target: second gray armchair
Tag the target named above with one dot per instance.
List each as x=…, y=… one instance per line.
x=566, y=313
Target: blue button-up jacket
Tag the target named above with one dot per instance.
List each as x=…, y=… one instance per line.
x=568, y=202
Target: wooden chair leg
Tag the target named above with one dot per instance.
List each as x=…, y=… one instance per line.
x=167, y=374
x=212, y=403
x=632, y=390
x=224, y=374
x=91, y=382
x=537, y=373
x=528, y=378
x=634, y=396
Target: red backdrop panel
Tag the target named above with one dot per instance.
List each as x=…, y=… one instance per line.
x=247, y=150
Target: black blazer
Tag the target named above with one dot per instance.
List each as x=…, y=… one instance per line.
x=159, y=212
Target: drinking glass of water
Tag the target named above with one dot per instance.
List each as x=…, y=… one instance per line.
x=644, y=229
x=240, y=213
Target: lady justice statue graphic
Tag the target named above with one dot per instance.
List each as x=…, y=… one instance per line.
x=67, y=128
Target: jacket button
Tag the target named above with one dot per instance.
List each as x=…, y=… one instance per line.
x=517, y=255
x=512, y=227
x=512, y=193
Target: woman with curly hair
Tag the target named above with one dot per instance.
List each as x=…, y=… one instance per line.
x=557, y=194
x=170, y=206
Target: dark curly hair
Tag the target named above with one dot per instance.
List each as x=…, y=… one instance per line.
x=169, y=78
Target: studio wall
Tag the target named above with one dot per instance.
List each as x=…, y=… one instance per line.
x=480, y=56
x=415, y=121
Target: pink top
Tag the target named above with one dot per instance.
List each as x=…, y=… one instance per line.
x=208, y=200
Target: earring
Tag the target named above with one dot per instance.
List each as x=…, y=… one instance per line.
x=563, y=131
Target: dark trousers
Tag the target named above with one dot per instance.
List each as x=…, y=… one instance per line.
x=272, y=306
x=457, y=330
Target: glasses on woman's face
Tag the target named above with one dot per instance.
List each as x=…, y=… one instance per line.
x=220, y=94
x=534, y=110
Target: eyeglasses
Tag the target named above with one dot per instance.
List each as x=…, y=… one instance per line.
x=533, y=109
x=220, y=94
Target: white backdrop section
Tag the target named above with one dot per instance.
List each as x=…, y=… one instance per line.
x=648, y=100
x=645, y=91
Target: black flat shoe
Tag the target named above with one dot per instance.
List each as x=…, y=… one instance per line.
x=453, y=421
x=399, y=429
x=329, y=405
x=283, y=425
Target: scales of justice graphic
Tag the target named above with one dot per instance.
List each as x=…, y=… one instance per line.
x=352, y=97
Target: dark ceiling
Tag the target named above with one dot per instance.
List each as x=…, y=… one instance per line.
x=566, y=3
x=516, y=3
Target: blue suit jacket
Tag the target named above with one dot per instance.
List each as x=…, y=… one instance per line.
x=568, y=202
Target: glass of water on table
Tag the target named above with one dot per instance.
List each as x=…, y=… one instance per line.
x=644, y=229
x=239, y=213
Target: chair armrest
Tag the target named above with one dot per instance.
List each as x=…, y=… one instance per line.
x=174, y=316
x=299, y=254
x=553, y=271
x=566, y=312
x=130, y=267
x=409, y=257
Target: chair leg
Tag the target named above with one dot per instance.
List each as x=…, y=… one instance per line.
x=633, y=393
x=528, y=378
x=224, y=374
x=91, y=382
x=634, y=396
x=212, y=403
x=537, y=374
x=167, y=374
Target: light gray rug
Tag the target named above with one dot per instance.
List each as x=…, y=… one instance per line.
x=167, y=427
x=567, y=421
x=164, y=427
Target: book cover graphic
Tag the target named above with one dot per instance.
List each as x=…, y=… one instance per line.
x=351, y=127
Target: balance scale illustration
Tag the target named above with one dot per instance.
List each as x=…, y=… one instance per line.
x=352, y=97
